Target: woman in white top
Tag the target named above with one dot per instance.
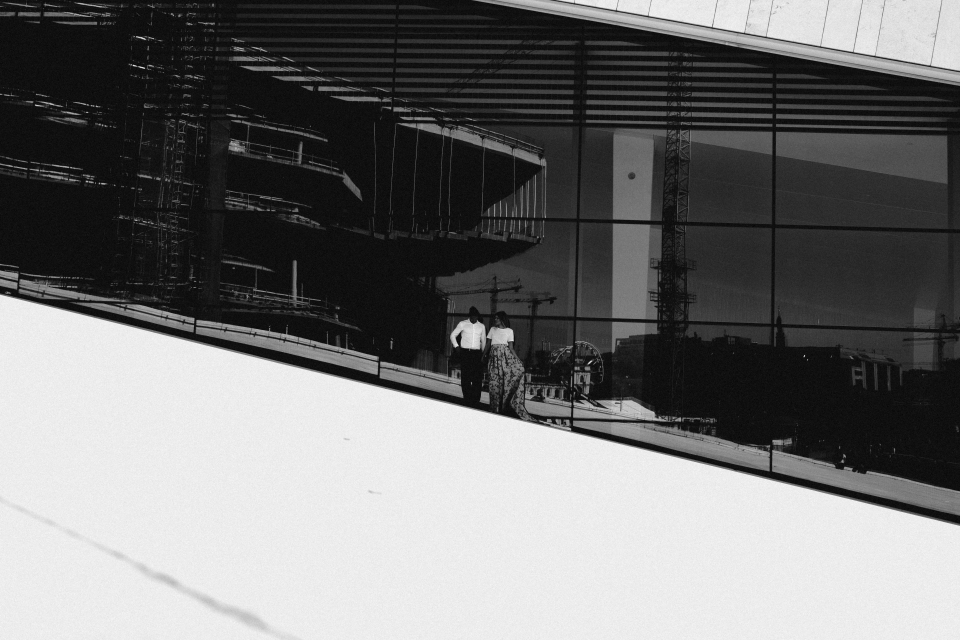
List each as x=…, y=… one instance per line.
x=505, y=370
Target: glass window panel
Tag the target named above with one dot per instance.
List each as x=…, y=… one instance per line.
x=621, y=381
x=729, y=279
x=862, y=180
x=622, y=177
x=543, y=344
x=730, y=177
x=873, y=396
x=615, y=274
x=877, y=278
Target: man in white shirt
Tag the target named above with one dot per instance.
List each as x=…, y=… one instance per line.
x=472, y=340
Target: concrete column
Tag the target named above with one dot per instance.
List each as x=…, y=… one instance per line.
x=631, y=277
x=211, y=239
x=293, y=281
x=211, y=242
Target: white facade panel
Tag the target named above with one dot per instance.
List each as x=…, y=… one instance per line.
x=731, y=15
x=910, y=38
x=909, y=29
x=758, y=19
x=798, y=20
x=946, y=50
x=639, y=7
x=686, y=11
x=840, y=27
x=601, y=4
x=868, y=30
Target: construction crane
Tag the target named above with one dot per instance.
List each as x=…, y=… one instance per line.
x=671, y=297
x=494, y=289
x=942, y=335
x=534, y=299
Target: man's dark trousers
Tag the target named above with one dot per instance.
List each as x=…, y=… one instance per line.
x=471, y=376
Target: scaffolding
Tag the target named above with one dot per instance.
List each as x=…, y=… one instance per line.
x=165, y=92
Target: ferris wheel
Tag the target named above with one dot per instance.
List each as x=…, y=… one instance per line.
x=582, y=357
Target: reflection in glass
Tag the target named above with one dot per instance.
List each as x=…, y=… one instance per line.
x=824, y=400
x=542, y=345
x=729, y=279
x=622, y=177
x=891, y=279
x=731, y=177
x=862, y=180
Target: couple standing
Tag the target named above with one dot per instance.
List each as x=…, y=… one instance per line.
x=504, y=368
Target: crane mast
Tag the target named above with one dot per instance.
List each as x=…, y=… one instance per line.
x=671, y=297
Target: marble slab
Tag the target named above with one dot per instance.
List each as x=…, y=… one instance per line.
x=946, y=49
x=600, y=4
x=687, y=11
x=840, y=27
x=798, y=20
x=731, y=15
x=868, y=29
x=639, y=7
x=758, y=18
x=909, y=29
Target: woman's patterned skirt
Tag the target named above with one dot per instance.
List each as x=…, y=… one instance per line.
x=507, y=389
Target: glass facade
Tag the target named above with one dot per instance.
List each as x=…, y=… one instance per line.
x=733, y=256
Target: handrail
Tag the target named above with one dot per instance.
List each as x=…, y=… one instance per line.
x=47, y=171
x=257, y=202
x=257, y=296
x=282, y=153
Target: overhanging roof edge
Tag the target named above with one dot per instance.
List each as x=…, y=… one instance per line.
x=733, y=39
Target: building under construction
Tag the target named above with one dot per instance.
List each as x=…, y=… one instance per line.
x=166, y=167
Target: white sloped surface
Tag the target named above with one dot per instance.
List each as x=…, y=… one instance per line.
x=946, y=49
x=731, y=15
x=914, y=38
x=224, y=496
x=909, y=30
x=840, y=26
x=798, y=20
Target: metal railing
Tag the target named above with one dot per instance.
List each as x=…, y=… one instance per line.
x=256, y=202
x=279, y=301
x=520, y=213
x=50, y=172
x=282, y=154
